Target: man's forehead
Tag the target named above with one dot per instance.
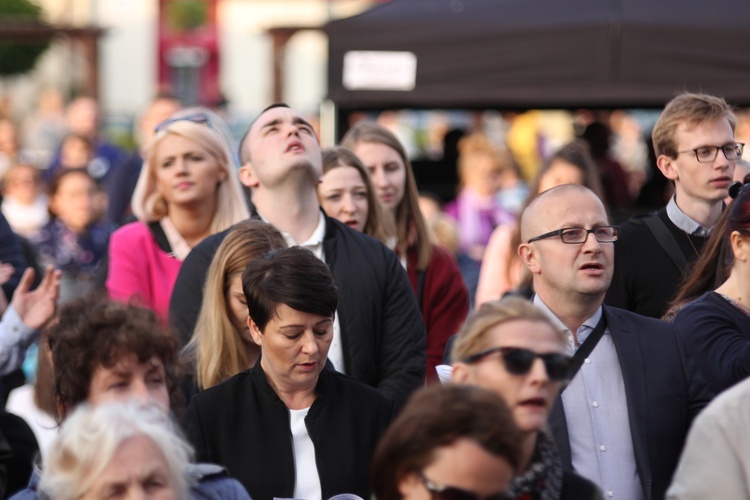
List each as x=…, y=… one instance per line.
x=569, y=206
x=703, y=126
x=281, y=113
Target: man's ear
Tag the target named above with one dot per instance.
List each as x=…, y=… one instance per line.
x=529, y=257
x=667, y=167
x=255, y=331
x=247, y=176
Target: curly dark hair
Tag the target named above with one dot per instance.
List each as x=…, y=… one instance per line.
x=95, y=332
x=438, y=416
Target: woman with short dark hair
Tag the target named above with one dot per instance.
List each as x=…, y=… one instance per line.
x=288, y=427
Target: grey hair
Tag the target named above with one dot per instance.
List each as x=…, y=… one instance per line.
x=90, y=437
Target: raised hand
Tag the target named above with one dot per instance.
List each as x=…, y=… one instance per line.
x=37, y=307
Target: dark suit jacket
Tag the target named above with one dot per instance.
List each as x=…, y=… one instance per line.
x=664, y=393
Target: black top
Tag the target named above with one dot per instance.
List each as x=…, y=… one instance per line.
x=244, y=426
x=645, y=278
x=382, y=332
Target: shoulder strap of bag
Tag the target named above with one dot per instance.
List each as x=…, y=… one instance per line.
x=585, y=349
x=666, y=240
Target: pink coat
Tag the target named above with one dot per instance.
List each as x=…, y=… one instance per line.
x=139, y=269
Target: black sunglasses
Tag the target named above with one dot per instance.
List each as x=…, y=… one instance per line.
x=440, y=492
x=200, y=118
x=518, y=361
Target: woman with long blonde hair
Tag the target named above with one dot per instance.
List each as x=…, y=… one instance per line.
x=221, y=345
x=187, y=190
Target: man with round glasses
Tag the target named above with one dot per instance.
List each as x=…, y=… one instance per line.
x=622, y=420
x=695, y=149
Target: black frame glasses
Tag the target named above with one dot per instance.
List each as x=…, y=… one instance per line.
x=708, y=154
x=576, y=235
x=518, y=361
x=442, y=492
x=200, y=118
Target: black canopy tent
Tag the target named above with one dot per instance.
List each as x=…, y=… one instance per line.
x=522, y=54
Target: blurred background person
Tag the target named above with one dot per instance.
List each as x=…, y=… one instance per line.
x=222, y=345
x=83, y=120
x=74, y=240
x=186, y=191
x=44, y=127
x=346, y=193
x=614, y=179
x=441, y=226
x=448, y=442
x=434, y=276
x=10, y=145
x=502, y=270
x=512, y=348
x=76, y=151
x=476, y=208
x=24, y=201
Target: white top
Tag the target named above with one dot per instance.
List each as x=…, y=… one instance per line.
x=307, y=482
x=715, y=462
x=21, y=403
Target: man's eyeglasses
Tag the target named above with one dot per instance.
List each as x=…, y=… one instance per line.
x=441, y=492
x=200, y=118
x=708, y=154
x=574, y=235
x=518, y=361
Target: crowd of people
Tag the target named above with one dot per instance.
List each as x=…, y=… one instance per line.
x=270, y=319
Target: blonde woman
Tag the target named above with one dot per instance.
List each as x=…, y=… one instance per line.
x=187, y=190
x=222, y=345
x=513, y=349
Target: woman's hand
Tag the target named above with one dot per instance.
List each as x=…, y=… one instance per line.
x=38, y=306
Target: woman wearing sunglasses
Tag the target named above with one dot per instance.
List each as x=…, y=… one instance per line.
x=187, y=190
x=513, y=349
x=450, y=442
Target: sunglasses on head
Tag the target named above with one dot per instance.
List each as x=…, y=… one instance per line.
x=518, y=361
x=441, y=492
x=200, y=118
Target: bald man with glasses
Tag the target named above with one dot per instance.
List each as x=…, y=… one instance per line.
x=622, y=420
